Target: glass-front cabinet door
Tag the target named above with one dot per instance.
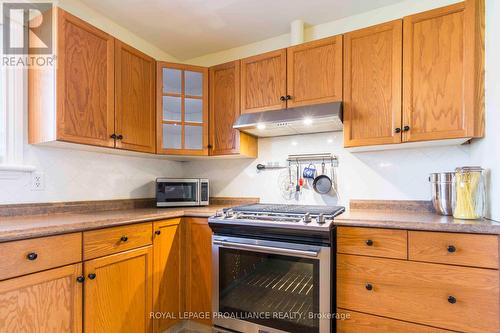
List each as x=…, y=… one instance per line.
x=182, y=109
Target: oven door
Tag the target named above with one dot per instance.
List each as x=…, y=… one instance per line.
x=264, y=286
x=177, y=192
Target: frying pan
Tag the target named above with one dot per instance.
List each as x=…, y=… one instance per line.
x=322, y=184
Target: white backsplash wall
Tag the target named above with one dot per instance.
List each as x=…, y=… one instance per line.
x=384, y=175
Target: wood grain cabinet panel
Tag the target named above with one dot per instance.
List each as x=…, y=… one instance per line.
x=387, y=243
x=101, y=242
x=49, y=301
x=198, y=247
x=263, y=82
x=85, y=83
x=32, y=255
x=454, y=248
x=365, y=323
x=442, y=66
x=372, y=85
x=118, y=292
x=135, y=118
x=225, y=110
x=450, y=297
x=314, y=72
x=168, y=279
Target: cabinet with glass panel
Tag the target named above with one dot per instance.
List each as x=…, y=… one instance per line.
x=182, y=109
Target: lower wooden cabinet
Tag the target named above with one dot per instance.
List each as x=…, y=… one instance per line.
x=168, y=282
x=49, y=301
x=118, y=292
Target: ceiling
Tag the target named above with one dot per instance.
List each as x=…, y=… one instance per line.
x=190, y=28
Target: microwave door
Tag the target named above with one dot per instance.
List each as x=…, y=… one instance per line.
x=177, y=193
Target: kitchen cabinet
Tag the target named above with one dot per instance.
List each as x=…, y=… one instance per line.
x=168, y=281
x=199, y=269
x=372, y=85
x=100, y=94
x=118, y=292
x=225, y=110
x=135, y=117
x=48, y=301
x=443, y=60
x=263, y=82
x=182, y=109
x=314, y=72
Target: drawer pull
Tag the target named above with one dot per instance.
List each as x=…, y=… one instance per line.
x=91, y=276
x=369, y=286
x=369, y=242
x=124, y=238
x=32, y=256
x=452, y=248
x=80, y=279
x=452, y=300
x=158, y=232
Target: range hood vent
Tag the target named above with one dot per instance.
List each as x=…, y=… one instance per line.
x=301, y=120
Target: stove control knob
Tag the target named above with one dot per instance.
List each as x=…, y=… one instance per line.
x=321, y=218
x=219, y=213
x=307, y=218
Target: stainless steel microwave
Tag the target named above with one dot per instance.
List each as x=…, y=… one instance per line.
x=176, y=192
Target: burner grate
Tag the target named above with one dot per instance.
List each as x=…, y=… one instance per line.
x=289, y=209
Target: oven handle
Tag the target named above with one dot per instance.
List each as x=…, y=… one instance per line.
x=269, y=249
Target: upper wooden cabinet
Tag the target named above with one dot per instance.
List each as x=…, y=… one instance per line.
x=263, y=82
x=372, y=85
x=225, y=110
x=314, y=72
x=182, y=109
x=134, y=99
x=442, y=73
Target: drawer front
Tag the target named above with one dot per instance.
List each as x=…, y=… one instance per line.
x=98, y=243
x=386, y=243
x=450, y=297
x=32, y=255
x=453, y=248
x=360, y=322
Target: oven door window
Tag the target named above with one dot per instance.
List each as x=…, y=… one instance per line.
x=276, y=291
x=177, y=192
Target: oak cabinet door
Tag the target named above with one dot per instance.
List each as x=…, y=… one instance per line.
x=182, y=109
x=135, y=99
x=199, y=268
x=263, y=82
x=439, y=67
x=49, y=301
x=225, y=110
x=372, y=85
x=168, y=283
x=85, y=83
x=118, y=292
x=314, y=72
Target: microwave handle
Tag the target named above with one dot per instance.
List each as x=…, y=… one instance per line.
x=267, y=249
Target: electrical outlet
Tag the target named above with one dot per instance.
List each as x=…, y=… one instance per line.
x=37, y=181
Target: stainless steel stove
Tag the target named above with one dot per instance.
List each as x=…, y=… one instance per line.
x=273, y=267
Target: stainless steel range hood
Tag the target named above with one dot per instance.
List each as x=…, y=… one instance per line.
x=308, y=119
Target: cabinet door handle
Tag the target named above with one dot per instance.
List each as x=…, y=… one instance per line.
x=369, y=286
x=406, y=128
x=119, y=137
x=451, y=248
x=123, y=238
x=369, y=242
x=158, y=232
x=397, y=130
x=91, y=276
x=113, y=136
x=288, y=97
x=452, y=300
x=80, y=279
x=32, y=256
x=282, y=98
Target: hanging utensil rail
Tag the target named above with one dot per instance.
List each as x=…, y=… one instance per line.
x=310, y=158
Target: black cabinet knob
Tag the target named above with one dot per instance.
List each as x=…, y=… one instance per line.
x=210, y=146
x=452, y=248
x=452, y=300
x=369, y=286
x=80, y=279
x=91, y=276
x=406, y=128
x=397, y=130
x=288, y=97
x=369, y=242
x=157, y=232
x=113, y=136
x=32, y=256
x=119, y=137
x=282, y=98
x=124, y=238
